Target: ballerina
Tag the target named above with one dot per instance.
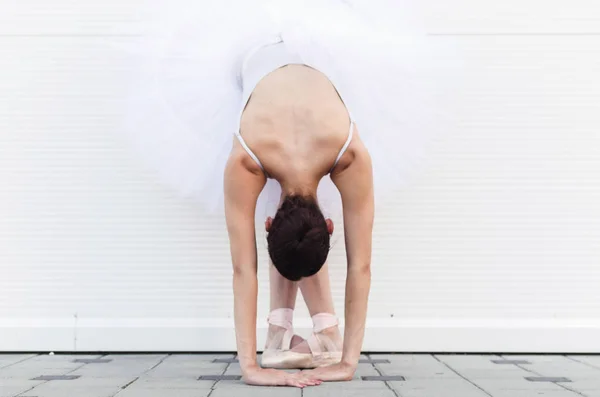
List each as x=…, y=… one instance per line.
x=304, y=115
x=295, y=129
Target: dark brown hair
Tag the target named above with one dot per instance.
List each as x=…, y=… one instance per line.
x=298, y=239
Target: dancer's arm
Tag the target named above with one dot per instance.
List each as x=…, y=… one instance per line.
x=356, y=189
x=355, y=184
x=242, y=187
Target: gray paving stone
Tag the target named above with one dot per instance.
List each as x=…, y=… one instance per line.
x=103, y=382
x=198, y=358
x=586, y=385
x=590, y=360
x=418, y=372
x=534, y=393
x=318, y=391
x=367, y=370
x=164, y=393
x=40, y=365
x=11, y=391
x=460, y=362
x=12, y=387
x=176, y=375
x=354, y=388
x=110, y=371
x=564, y=367
x=10, y=359
x=35, y=364
x=92, y=360
x=505, y=374
x=492, y=385
x=233, y=369
x=255, y=391
x=592, y=393
x=437, y=388
x=55, y=359
x=443, y=393
x=170, y=384
x=183, y=372
x=416, y=367
x=138, y=358
x=52, y=389
x=541, y=358
x=183, y=367
x=410, y=360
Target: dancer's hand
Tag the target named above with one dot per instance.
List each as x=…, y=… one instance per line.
x=332, y=373
x=272, y=377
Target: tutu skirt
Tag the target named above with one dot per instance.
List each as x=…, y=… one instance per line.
x=185, y=96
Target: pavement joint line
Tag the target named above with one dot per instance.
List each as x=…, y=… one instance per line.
x=138, y=377
x=92, y=360
x=461, y=375
x=46, y=381
x=214, y=385
x=20, y=361
x=387, y=384
x=556, y=383
x=384, y=378
x=157, y=364
x=582, y=362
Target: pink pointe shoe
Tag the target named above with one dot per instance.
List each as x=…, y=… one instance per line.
x=324, y=350
x=279, y=342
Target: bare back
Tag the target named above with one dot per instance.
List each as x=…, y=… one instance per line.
x=296, y=123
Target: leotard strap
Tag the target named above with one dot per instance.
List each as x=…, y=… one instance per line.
x=249, y=151
x=345, y=147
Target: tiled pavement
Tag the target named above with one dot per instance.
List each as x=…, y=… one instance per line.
x=406, y=375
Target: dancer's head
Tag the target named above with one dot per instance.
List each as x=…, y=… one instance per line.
x=298, y=237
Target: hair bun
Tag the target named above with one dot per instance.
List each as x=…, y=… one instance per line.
x=310, y=237
x=298, y=240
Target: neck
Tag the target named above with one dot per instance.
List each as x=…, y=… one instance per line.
x=299, y=188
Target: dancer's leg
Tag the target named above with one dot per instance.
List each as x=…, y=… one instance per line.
x=316, y=291
x=283, y=293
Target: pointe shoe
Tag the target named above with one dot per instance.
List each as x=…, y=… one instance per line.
x=323, y=349
x=277, y=349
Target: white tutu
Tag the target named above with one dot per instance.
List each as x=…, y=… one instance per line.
x=186, y=94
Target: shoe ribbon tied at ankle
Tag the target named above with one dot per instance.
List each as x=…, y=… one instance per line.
x=283, y=318
x=322, y=321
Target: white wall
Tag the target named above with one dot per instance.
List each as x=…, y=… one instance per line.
x=497, y=248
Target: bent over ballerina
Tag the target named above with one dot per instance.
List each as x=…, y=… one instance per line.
x=286, y=113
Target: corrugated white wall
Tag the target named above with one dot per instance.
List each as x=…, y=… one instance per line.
x=496, y=248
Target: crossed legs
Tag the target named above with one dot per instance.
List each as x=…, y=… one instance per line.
x=325, y=344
